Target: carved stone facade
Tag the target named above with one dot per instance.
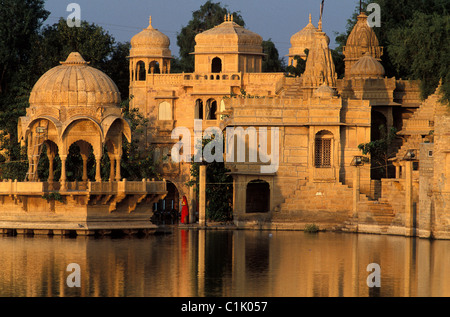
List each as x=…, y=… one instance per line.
x=320, y=121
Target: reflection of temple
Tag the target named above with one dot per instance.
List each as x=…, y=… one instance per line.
x=225, y=263
x=321, y=122
x=75, y=113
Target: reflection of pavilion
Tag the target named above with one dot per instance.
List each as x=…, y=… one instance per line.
x=75, y=104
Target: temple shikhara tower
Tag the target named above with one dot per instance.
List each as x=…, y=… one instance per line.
x=315, y=124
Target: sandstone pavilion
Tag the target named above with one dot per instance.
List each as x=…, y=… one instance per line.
x=76, y=105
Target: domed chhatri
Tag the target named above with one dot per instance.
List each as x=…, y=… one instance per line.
x=150, y=42
x=225, y=42
x=367, y=67
x=73, y=103
x=74, y=84
x=228, y=34
x=300, y=41
x=149, y=53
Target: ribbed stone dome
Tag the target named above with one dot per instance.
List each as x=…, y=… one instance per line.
x=367, y=67
x=150, y=42
x=303, y=39
x=73, y=84
x=362, y=38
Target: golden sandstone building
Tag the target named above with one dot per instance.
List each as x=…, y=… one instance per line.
x=320, y=121
x=308, y=170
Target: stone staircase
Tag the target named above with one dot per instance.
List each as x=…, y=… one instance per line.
x=379, y=212
x=293, y=88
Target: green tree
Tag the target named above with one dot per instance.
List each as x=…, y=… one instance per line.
x=380, y=151
x=272, y=63
x=20, y=21
x=219, y=188
x=300, y=67
x=421, y=49
x=137, y=163
x=208, y=16
x=415, y=27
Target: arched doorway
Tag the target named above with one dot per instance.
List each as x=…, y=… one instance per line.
x=378, y=126
x=166, y=210
x=216, y=65
x=257, y=196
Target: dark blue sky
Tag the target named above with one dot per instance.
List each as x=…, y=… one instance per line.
x=277, y=20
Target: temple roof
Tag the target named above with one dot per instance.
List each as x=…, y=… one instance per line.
x=73, y=84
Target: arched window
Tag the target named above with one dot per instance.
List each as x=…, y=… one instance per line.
x=216, y=65
x=211, y=108
x=198, y=109
x=322, y=151
x=140, y=70
x=165, y=111
x=154, y=68
x=257, y=196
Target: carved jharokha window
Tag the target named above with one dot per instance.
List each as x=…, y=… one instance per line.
x=322, y=152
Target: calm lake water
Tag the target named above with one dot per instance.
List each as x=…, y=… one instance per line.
x=225, y=263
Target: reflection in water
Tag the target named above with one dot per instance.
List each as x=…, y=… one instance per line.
x=225, y=263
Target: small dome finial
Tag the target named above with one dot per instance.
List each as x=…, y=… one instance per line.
x=150, y=23
x=310, y=20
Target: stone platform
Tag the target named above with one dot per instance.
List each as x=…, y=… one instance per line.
x=84, y=208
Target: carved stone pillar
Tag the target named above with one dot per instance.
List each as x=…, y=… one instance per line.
x=111, y=171
x=98, y=177
x=84, y=178
x=118, y=168
x=63, y=172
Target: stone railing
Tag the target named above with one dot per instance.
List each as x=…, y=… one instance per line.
x=10, y=187
x=15, y=187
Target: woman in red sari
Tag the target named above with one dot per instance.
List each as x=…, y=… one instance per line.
x=184, y=211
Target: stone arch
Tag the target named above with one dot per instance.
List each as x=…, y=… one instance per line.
x=154, y=67
x=140, y=71
x=211, y=109
x=110, y=123
x=198, y=109
x=257, y=196
x=84, y=126
x=323, y=149
x=216, y=65
x=80, y=155
x=46, y=164
x=55, y=124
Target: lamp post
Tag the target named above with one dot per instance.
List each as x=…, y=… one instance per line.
x=410, y=156
x=356, y=162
